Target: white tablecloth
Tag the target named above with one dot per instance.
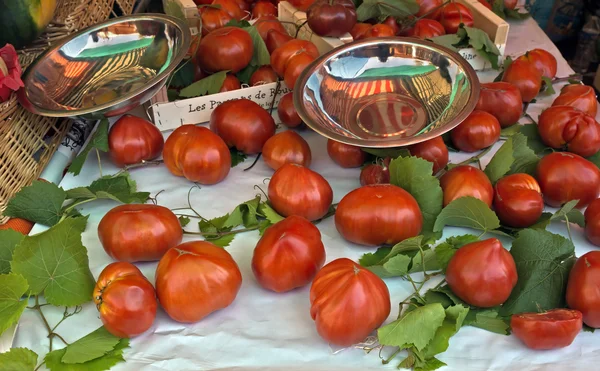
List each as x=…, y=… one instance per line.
x=262, y=330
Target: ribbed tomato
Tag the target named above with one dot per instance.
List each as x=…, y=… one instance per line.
x=331, y=18
x=198, y=154
x=453, y=14
x=297, y=190
x=379, y=30
x=267, y=23
x=503, y=100
x=287, y=147
x=359, y=30
x=379, y=214
x=125, y=299
x=280, y=58
x=578, y=96
x=230, y=83
x=544, y=61
x=429, y=8
x=433, y=150
x=348, y=302
x=525, y=76
x=288, y=255
x=518, y=200
x=295, y=66
x=392, y=22
x=592, y=222
x=375, y=174
x=225, y=49
x=213, y=18
x=132, y=140
x=139, y=232
x=287, y=112
x=345, y=155
x=478, y=131
x=582, y=289
x=566, y=127
x=465, y=180
x=482, y=273
x=262, y=8
x=553, y=329
x=195, y=279
x=302, y=5
x=263, y=75
x=426, y=29
x=231, y=7
x=275, y=39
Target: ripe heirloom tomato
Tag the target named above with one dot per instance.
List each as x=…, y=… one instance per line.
x=348, y=302
x=262, y=8
x=525, y=76
x=132, y=140
x=230, y=83
x=296, y=64
x=231, y=7
x=263, y=75
x=582, y=290
x=554, y=329
x=198, y=154
x=287, y=147
x=578, y=96
x=426, y=29
x=375, y=174
x=280, y=58
x=345, y=155
x=433, y=150
x=225, y=49
x=379, y=30
x=518, y=200
x=465, y=180
x=287, y=112
x=267, y=23
x=478, y=131
x=243, y=5
x=359, y=30
x=139, y=232
x=378, y=214
x=453, y=14
x=429, y=8
x=502, y=100
x=297, y=190
x=510, y=4
x=213, y=18
x=482, y=273
x=243, y=124
x=592, y=222
x=566, y=127
x=332, y=18
x=195, y=279
x=542, y=60
x=125, y=299
x=302, y=5
x=288, y=255
x=390, y=21
x=566, y=176
x=275, y=39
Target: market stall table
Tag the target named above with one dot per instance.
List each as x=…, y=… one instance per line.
x=263, y=330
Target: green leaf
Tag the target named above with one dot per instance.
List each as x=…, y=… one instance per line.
x=510, y=130
x=487, y=319
x=498, y=8
x=449, y=41
x=543, y=261
x=445, y=290
x=547, y=88
x=429, y=259
x=172, y=7
x=184, y=220
x=587, y=328
x=395, y=8
x=513, y=157
x=414, y=175
x=534, y=141
x=445, y=251
x=18, y=359
x=455, y=315
x=408, y=362
x=266, y=211
x=9, y=239
x=244, y=214
x=374, y=258
x=387, y=152
x=12, y=288
x=237, y=23
x=40, y=202
x=568, y=210
x=515, y=14
x=505, y=64
x=468, y=212
x=99, y=141
x=245, y=74
x=206, y=86
x=260, y=56
x=94, y=345
x=595, y=158
x=237, y=157
x=481, y=42
x=56, y=263
x=429, y=364
x=222, y=241
x=184, y=75
x=412, y=244
x=397, y=266
x=416, y=328
x=106, y=362
x=120, y=188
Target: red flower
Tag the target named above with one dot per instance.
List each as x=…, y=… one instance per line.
x=10, y=72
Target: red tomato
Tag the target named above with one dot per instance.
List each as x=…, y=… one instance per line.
x=510, y=4
x=125, y=299
x=267, y=23
x=359, y=30
x=296, y=64
x=503, y=100
x=554, y=329
x=486, y=4
x=345, y=155
x=578, y=96
x=262, y=8
x=566, y=176
x=297, y=190
x=287, y=112
x=263, y=75
x=213, y=18
x=348, y=302
x=225, y=49
x=543, y=61
x=230, y=83
x=525, y=76
x=582, y=290
x=390, y=21
x=374, y=174
x=379, y=30
x=429, y=8
x=433, y=150
x=378, y=214
x=332, y=18
x=231, y=7
x=132, y=140
x=592, y=222
x=198, y=73
x=518, y=200
x=195, y=279
x=287, y=147
x=427, y=29
x=245, y=6
x=566, y=127
x=302, y=5
x=478, y=131
x=280, y=58
x=243, y=124
x=288, y=255
x=482, y=273
x=198, y=154
x=453, y=14
x=275, y=39
x=465, y=180
x=134, y=232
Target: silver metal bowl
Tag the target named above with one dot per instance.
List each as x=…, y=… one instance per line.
x=386, y=92
x=107, y=69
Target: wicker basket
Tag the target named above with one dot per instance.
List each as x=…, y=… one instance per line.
x=28, y=141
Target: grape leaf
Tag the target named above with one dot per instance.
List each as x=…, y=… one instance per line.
x=595, y=159
x=387, y=152
x=244, y=214
x=99, y=141
x=534, y=141
x=513, y=157
x=18, y=359
x=184, y=75
x=547, y=88
x=56, y=263
x=481, y=42
x=468, y=212
x=119, y=187
x=567, y=211
x=543, y=261
x=408, y=245
x=449, y=41
x=260, y=55
x=378, y=8
x=429, y=364
x=245, y=74
x=510, y=130
x=396, y=266
x=106, y=362
x=93, y=345
x=206, y=86
x=236, y=23
x=184, y=220
x=445, y=251
x=41, y=202
x=237, y=157
x=9, y=239
x=414, y=175
x=12, y=288
x=487, y=319
x=265, y=210
x=498, y=8
x=455, y=316
x=416, y=328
